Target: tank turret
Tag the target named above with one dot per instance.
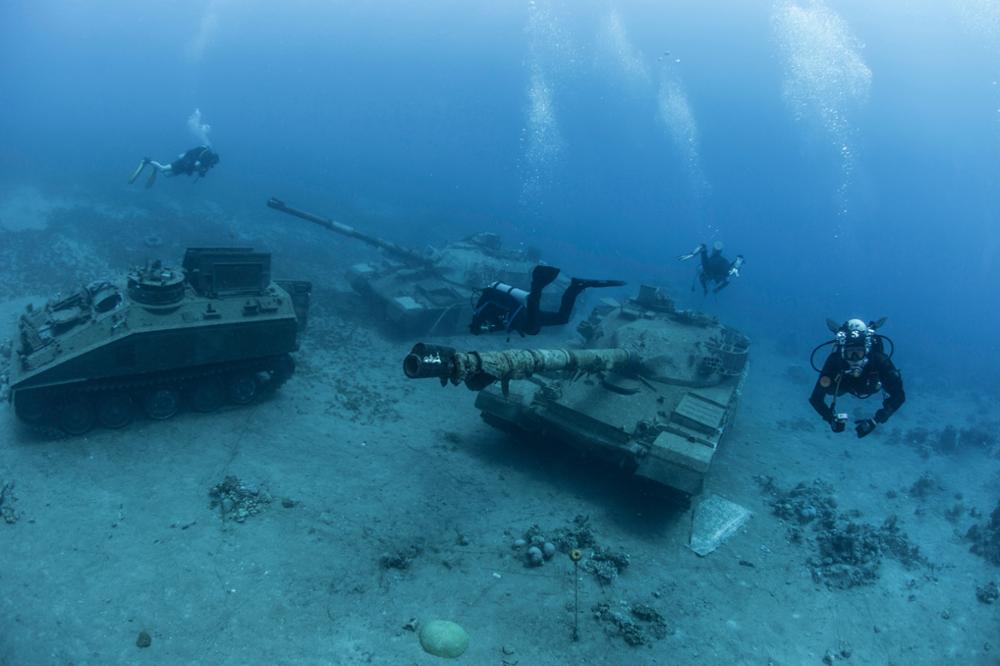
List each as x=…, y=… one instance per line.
x=213, y=331
x=652, y=389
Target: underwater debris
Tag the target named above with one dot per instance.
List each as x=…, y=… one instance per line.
x=986, y=538
x=237, y=500
x=949, y=440
x=535, y=548
x=955, y=512
x=636, y=623
x=606, y=565
x=988, y=593
x=848, y=552
x=400, y=559
x=363, y=404
x=7, y=500
x=578, y=535
x=924, y=487
x=802, y=504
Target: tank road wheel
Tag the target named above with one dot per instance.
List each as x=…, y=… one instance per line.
x=208, y=395
x=76, y=415
x=242, y=388
x=283, y=368
x=30, y=407
x=160, y=404
x=114, y=410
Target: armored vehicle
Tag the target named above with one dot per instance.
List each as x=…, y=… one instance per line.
x=433, y=293
x=216, y=330
x=652, y=390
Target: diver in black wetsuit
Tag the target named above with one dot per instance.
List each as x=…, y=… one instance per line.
x=198, y=161
x=502, y=307
x=857, y=365
x=714, y=267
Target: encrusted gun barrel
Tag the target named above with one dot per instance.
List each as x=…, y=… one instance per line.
x=480, y=369
x=652, y=391
x=405, y=254
x=419, y=293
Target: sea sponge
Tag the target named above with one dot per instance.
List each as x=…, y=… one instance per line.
x=442, y=638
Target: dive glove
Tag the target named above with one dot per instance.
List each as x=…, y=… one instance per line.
x=864, y=428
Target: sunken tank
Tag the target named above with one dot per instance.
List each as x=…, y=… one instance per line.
x=217, y=330
x=652, y=390
x=432, y=293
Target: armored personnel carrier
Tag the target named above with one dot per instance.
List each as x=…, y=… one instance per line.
x=217, y=330
x=652, y=390
x=434, y=293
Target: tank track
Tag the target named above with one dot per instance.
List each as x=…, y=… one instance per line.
x=46, y=404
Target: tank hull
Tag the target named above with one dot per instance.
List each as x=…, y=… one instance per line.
x=218, y=332
x=663, y=422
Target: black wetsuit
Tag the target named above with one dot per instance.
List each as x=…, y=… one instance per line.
x=504, y=308
x=500, y=310
x=879, y=374
x=714, y=268
x=197, y=160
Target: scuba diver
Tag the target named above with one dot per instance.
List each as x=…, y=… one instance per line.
x=198, y=161
x=502, y=307
x=860, y=366
x=714, y=267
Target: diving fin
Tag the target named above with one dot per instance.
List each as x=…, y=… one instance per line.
x=542, y=276
x=138, y=170
x=152, y=178
x=878, y=323
x=694, y=253
x=832, y=325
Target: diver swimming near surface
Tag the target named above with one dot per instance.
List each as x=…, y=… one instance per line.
x=714, y=268
x=196, y=161
x=858, y=365
x=502, y=307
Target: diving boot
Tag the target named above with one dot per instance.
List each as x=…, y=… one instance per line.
x=138, y=170
x=694, y=253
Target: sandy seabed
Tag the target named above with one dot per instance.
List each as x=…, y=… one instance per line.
x=392, y=502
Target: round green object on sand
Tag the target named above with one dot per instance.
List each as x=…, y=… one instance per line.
x=442, y=638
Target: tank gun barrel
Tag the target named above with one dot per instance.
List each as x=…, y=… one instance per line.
x=480, y=369
x=405, y=254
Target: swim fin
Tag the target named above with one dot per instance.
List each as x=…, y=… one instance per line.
x=581, y=283
x=152, y=178
x=694, y=253
x=138, y=170
x=543, y=276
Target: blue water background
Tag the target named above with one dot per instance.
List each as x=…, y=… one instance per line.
x=848, y=149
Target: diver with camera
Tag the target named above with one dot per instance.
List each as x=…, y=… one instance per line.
x=860, y=366
x=715, y=268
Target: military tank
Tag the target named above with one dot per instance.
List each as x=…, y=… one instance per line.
x=652, y=390
x=216, y=330
x=433, y=293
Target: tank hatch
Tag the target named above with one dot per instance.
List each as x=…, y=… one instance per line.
x=156, y=285
x=227, y=271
